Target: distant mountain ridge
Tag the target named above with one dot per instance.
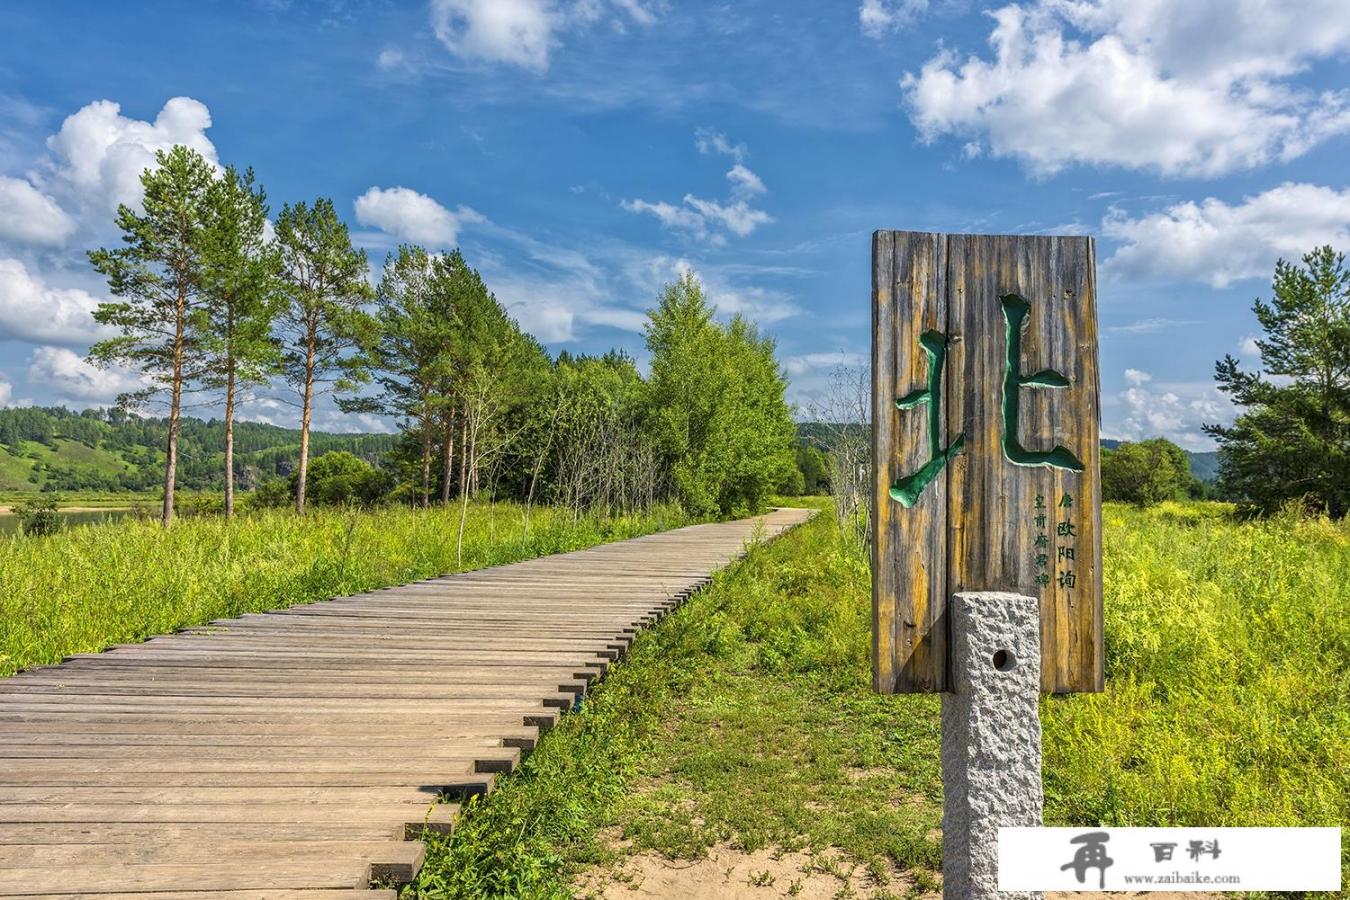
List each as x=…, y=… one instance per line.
x=1204, y=464
x=54, y=449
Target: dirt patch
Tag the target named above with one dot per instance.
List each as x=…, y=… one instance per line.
x=727, y=873
x=1126, y=895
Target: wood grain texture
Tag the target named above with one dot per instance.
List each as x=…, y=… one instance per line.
x=292, y=753
x=909, y=550
x=976, y=523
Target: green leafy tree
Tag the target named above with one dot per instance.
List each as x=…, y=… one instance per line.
x=323, y=323
x=39, y=516
x=814, y=467
x=1292, y=440
x=340, y=478
x=411, y=356
x=1146, y=472
x=158, y=277
x=494, y=369
x=716, y=404
x=241, y=290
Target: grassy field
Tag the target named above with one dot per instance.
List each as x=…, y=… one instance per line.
x=746, y=719
x=88, y=587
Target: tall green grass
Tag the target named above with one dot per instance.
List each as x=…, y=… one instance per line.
x=748, y=715
x=1228, y=665
x=96, y=585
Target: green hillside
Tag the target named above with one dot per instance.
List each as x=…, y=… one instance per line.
x=54, y=449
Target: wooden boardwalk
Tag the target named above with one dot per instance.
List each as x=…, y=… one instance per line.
x=301, y=753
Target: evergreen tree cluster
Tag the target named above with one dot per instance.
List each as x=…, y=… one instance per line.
x=210, y=300
x=1291, y=443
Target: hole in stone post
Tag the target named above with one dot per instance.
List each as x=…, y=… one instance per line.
x=1005, y=660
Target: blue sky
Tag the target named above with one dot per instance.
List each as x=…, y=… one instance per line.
x=584, y=152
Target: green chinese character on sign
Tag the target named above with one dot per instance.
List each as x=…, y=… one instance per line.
x=1040, y=501
x=1043, y=579
x=1042, y=560
x=1065, y=529
x=1067, y=579
x=906, y=491
x=1040, y=520
x=1015, y=309
x=1065, y=553
x=1042, y=541
x=1066, y=501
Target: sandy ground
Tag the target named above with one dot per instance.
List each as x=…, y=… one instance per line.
x=1131, y=895
x=730, y=874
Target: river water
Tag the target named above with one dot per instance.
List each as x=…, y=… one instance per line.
x=9, y=523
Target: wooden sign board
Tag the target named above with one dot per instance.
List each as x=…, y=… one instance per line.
x=985, y=411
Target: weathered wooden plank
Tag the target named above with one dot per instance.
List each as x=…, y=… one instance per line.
x=909, y=445
x=993, y=497
x=1013, y=502
x=399, y=859
x=295, y=744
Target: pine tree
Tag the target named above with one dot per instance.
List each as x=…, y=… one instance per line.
x=1292, y=442
x=411, y=356
x=242, y=267
x=159, y=277
x=323, y=323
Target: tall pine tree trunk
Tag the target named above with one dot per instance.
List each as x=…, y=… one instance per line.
x=171, y=466
x=175, y=405
x=307, y=409
x=447, y=461
x=426, y=452
x=229, y=440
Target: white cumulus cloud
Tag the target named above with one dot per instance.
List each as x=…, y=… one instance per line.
x=70, y=377
x=1181, y=87
x=880, y=17
x=744, y=182
x=712, y=219
x=1174, y=411
x=98, y=155
x=412, y=216
x=524, y=32
x=31, y=217
x=6, y=392
x=728, y=296
x=737, y=217
x=1219, y=243
x=32, y=310
x=709, y=141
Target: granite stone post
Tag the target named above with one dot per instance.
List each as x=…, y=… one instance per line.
x=991, y=738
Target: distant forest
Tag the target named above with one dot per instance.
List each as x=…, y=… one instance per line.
x=1204, y=464
x=54, y=449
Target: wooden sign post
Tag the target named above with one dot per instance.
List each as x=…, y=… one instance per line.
x=985, y=410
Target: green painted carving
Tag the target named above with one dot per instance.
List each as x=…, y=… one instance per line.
x=1015, y=309
x=906, y=491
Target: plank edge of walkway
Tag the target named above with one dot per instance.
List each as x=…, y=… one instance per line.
x=398, y=856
